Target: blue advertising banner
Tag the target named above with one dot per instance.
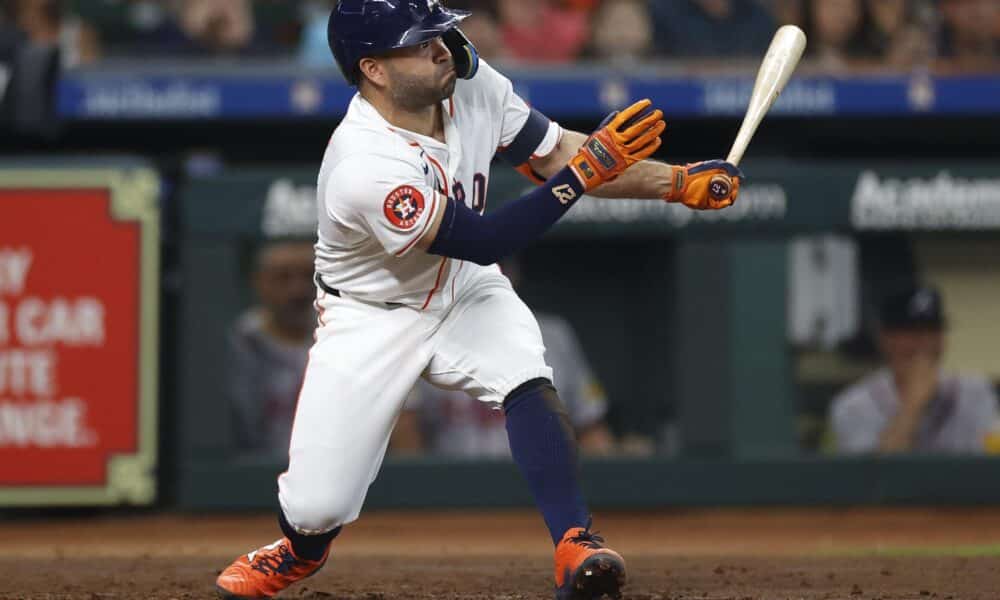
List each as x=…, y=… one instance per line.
x=242, y=93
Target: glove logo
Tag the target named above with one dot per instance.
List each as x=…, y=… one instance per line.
x=718, y=188
x=564, y=193
x=403, y=206
x=601, y=153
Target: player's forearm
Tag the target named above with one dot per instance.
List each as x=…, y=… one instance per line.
x=648, y=179
x=485, y=239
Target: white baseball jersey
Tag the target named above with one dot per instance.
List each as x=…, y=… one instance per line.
x=380, y=187
x=400, y=313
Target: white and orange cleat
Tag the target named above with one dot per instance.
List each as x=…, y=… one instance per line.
x=265, y=572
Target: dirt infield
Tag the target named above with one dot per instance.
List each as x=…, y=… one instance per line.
x=716, y=555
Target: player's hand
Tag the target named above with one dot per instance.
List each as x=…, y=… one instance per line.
x=621, y=140
x=917, y=381
x=706, y=185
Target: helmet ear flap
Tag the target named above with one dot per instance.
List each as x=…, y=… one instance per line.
x=462, y=51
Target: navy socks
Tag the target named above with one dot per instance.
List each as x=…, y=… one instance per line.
x=544, y=447
x=308, y=547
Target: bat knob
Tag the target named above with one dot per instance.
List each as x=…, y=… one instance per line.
x=720, y=187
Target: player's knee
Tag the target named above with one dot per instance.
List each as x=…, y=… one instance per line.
x=539, y=390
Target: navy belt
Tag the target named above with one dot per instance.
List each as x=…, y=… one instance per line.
x=323, y=286
x=335, y=292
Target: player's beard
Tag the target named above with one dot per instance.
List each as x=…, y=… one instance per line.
x=414, y=93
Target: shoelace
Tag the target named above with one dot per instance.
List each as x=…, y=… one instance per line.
x=269, y=564
x=588, y=538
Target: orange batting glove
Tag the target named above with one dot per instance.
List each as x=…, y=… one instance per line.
x=621, y=140
x=706, y=185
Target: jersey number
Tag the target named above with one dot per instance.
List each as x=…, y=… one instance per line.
x=478, y=192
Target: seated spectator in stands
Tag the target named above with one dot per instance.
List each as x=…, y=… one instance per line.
x=269, y=346
x=969, y=33
x=711, y=28
x=587, y=6
x=622, y=32
x=452, y=423
x=314, y=48
x=48, y=23
x=542, y=31
x=217, y=26
x=191, y=28
x=910, y=405
x=836, y=31
x=483, y=28
x=123, y=26
x=899, y=33
x=786, y=12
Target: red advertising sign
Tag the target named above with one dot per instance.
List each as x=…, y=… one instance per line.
x=71, y=352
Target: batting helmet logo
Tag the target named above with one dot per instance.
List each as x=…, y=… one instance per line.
x=403, y=206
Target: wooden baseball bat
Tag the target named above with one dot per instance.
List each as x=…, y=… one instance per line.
x=775, y=69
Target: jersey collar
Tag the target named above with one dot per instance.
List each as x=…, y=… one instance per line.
x=450, y=132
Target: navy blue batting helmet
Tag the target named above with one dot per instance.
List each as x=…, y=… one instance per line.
x=360, y=28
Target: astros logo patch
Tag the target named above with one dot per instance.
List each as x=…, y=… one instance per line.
x=403, y=206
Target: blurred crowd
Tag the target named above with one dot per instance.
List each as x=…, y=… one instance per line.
x=844, y=34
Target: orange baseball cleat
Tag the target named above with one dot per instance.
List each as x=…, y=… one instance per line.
x=585, y=569
x=265, y=572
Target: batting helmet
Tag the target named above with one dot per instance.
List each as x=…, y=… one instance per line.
x=360, y=28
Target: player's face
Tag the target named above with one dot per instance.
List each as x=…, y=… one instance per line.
x=421, y=75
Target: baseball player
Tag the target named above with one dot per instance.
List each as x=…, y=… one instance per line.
x=407, y=284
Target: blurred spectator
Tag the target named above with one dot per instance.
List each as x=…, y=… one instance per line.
x=542, y=31
x=836, y=30
x=711, y=28
x=217, y=26
x=186, y=28
x=314, y=49
x=910, y=405
x=47, y=23
x=969, y=32
x=269, y=346
x=123, y=26
x=583, y=5
x=622, y=32
x=483, y=27
x=786, y=12
x=899, y=32
x=454, y=424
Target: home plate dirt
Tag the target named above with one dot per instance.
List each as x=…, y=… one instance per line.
x=745, y=554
